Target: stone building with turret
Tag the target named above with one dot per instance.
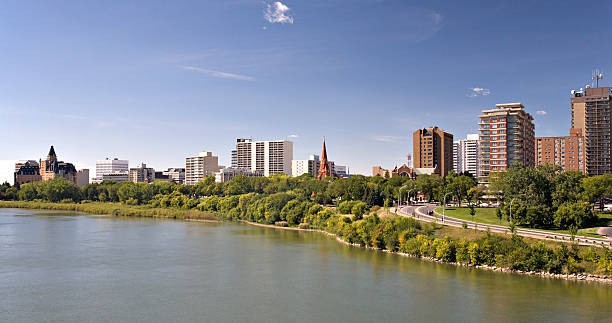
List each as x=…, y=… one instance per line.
x=51, y=168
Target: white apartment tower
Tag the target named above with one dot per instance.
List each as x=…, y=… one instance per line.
x=465, y=155
x=264, y=157
x=200, y=167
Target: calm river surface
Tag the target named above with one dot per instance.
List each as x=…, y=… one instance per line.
x=65, y=268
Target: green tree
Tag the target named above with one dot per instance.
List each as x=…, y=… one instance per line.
x=574, y=214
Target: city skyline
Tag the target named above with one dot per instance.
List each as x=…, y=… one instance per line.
x=156, y=88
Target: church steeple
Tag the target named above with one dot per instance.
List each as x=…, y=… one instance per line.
x=324, y=170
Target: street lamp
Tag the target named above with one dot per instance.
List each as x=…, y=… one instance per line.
x=410, y=190
x=444, y=205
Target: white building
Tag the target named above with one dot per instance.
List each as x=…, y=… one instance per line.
x=311, y=165
x=226, y=174
x=199, y=167
x=111, y=166
x=117, y=177
x=465, y=155
x=341, y=171
x=267, y=157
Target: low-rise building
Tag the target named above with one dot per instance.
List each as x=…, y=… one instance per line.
x=117, y=177
x=567, y=152
x=226, y=174
x=176, y=175
x=142, y=174
x=26, y=171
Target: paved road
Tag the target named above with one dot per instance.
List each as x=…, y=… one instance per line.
x=421, y=212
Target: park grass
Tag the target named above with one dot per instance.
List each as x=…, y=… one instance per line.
x=487, y=216
x=116, y=209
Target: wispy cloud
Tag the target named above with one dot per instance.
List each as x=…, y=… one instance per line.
x=388, y=138
x=277, y=12
x=293, y=136
x=541, y=112
x=479, y=91
x=218, y=74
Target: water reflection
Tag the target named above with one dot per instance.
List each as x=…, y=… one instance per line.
x=94, y=268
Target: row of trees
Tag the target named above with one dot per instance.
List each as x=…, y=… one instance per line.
x=542, y=197
x=547, y=197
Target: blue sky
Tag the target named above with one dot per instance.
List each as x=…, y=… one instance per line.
x=156, y=81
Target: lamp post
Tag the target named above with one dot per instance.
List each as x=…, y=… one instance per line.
x=444, y=205
x=410, y=190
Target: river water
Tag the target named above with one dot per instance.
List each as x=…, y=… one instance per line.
x=64, y=267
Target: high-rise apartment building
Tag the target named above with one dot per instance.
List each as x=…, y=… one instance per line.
x=199, y=167
x=433, y=149
x=142, y=174
x=592, y=114
x=567, y=152
x=506, y=137
x=265, y=157
x=465, y=155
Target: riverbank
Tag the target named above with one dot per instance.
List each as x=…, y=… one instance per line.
x=605, y=279
x=116, y=209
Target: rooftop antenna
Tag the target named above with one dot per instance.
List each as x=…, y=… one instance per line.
x=597, y=75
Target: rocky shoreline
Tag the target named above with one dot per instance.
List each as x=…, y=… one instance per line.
x=572, y=277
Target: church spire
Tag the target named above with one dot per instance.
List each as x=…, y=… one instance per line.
x=324, y=170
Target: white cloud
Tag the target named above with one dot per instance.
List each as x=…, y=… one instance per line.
x=293, y=136
x=219, y=74
x=479, y=91
x=388, y=138
x=541, y=112
x=277, y=12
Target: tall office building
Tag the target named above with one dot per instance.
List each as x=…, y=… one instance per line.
x=199, y=167
x=592, y=114
x=506, y=137
x=234, y=163
x=465, y=155
x=567, y=152
x=265, y=157
x=142, y=174
x=433, y=149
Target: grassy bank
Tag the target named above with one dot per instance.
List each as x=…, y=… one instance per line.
x=117, y=209
x=487, y=216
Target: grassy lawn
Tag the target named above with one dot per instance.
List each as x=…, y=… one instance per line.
x=487, y=216
x=483, y=215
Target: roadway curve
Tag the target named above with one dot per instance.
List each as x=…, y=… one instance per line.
x=421, y=212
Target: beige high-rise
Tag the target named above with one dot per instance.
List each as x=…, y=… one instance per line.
x=433, y=148
x=592, y=114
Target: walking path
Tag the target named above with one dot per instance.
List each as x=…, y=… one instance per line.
x=422, y=213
